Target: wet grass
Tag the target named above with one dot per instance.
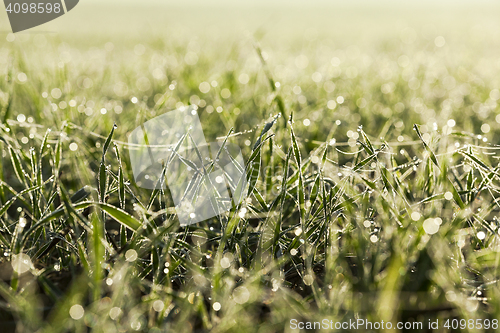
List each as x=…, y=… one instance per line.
x=373, y=187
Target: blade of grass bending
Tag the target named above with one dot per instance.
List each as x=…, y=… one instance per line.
x=10, y=98
x=18, y=169
x=103, y=179
x=266, y=129
x=58, y=155
x=476, y=160
x=431, y=153
x=120, y=215
x=456, y=196
x=301, y=194
x=314, y=191
x=108, y=142
x=121, y=182
x=368, y=144
x=253, y=167
x=42, y=199
x=102, y=182
x=363, y=162
x=277, y=227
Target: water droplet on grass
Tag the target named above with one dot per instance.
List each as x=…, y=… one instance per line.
x=216, y=306
x=76, y=312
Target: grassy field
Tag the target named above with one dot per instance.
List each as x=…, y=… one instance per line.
x=370, y=139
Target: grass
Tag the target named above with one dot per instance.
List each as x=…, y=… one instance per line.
x=373, y=187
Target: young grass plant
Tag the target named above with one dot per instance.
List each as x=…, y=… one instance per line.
x=350, y=214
